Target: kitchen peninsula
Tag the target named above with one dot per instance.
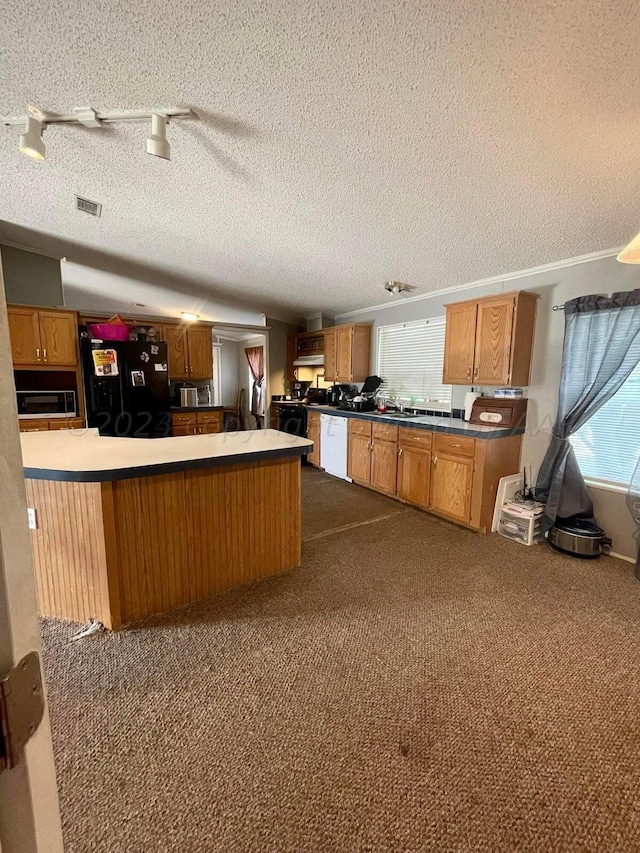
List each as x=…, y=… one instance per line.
x=127, y=528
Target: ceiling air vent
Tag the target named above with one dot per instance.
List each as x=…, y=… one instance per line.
x=87, y=206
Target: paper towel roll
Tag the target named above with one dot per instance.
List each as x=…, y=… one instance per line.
x=469, y=397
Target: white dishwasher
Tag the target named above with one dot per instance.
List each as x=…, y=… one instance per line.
x=334, y=438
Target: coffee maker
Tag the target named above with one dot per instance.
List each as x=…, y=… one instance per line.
x=299, y=390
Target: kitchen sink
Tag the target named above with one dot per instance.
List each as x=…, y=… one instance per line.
x=404, y=415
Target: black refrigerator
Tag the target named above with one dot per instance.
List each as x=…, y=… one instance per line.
x=126, y=386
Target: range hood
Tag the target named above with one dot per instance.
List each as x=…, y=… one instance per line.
x=309, y=360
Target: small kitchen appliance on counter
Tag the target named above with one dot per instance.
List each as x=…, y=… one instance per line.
x=178, y=396
x=188, y=397
x=299, y=390
x=364, y=401
x=579, y=537
x=318, y=396
x=339, y=392
x=498, y=411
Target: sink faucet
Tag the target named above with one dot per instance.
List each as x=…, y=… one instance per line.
x=399, y=404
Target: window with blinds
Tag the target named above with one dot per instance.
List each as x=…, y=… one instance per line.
x=410, y=362
x=608, y=445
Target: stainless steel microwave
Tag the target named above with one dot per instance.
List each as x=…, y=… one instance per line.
x=47, y=404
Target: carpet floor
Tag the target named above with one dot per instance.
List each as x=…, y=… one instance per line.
x=413, y=687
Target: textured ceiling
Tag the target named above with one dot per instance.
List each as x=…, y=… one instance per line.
x=341, y=143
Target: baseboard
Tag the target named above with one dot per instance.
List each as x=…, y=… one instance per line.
x=622, y=557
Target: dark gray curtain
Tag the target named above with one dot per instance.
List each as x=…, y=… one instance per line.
x=601, y=348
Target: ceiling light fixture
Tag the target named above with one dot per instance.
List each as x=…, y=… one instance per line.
x=395, y=287
x=189, y=317
x=631, y=253
x=157, y=144
x=36, y=121
x=31, y=142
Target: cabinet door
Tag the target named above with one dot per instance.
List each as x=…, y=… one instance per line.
x=34, y=425
x=359, y=458
x=384, y=466
x=493, y=342
x=451, y=481
x=414, y=475
x=24, y=330
x=330, y=362
x=344, y=347
x=292, y=352
x=459, y=344
x=200, y=352
x=177, y=353
x=313, y=434
x=58, y=336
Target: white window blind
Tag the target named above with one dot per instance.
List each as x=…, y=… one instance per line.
x=410, y=362
x=608, y=445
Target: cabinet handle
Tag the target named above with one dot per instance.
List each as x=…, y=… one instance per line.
x=45, y=354
x=469, y=372
x=475, y=370
x=435, y=461
x=38, y=353
x=400, y=452
x=454, y=445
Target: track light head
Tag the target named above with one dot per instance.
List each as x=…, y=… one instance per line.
x=157, y=144
x=31, y=142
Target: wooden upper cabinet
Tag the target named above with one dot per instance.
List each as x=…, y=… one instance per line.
x=200, y=352
x=292, y=352
x=59, y=337
x=24, y=330
x=330, y=353
x=451, y=482
x=344, y=354
x=490, y=341
x=459, y=344
x=177, y=351
x=43, y=337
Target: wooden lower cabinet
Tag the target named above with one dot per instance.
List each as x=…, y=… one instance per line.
x=197, y=423
x=313, y=434
x=451, y=483
x=453, y=476
x=40, y=425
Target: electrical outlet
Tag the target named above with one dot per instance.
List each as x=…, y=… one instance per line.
x=31, y=517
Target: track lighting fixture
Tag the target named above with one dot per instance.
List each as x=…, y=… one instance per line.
x=157, y=144
x=31, y=142
x=36, y=121
x=396, y=287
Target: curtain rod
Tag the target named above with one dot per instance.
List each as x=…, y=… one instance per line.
x=558, y=307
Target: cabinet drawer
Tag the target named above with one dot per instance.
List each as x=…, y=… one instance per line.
x=184, y=430
x=70, y=423
x=209, y=429
x=209, y=417
x=385, y=432
x=33, y=425
x=455, y=445
x=357, y=427
x=184, y=419
x=420, y=438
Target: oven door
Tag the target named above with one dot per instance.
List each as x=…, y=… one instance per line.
x=46, y=404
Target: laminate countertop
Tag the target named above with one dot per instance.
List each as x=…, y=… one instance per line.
x=84, y=456
x=185, y=409
x=440, y=423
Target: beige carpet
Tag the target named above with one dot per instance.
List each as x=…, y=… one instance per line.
x=413, y=687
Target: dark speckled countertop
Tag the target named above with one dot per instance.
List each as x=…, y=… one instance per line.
x=179, y=409
x=440, y=423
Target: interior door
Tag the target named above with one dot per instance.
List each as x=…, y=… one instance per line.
x=200, y=352
x=344, y=347
x=459, y=344
x=58, y=336
x=330, y=364
x=451, y=481
x=493, y=342
x=177, y=351
x=384, y=466
x=29, y=815
x=359, y=458
x=414, y=476
x=24, y=330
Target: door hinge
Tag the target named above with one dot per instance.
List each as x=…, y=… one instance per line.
x=21, y=709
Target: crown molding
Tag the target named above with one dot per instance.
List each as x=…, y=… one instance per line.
x=495, y=279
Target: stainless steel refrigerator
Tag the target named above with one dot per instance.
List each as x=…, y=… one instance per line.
x=126, y=386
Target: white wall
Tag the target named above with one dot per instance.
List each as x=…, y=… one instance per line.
x=90, y=289
x=555, y=287
x=229, y=371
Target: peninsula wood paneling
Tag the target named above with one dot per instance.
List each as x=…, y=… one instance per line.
x=68, y=550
